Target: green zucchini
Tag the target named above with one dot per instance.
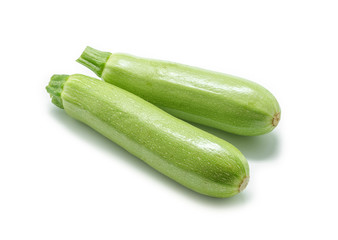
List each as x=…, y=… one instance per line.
x=188, y=155
x=210, y=98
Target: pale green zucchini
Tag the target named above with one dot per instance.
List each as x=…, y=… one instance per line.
x=214, y=99
x=188, y=155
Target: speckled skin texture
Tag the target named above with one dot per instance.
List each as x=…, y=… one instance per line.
x=214, y=99
x=188, y=155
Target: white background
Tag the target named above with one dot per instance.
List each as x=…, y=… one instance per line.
x=61, y=180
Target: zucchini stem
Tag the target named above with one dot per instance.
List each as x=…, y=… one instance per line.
x=94, y=59
x=55, y=88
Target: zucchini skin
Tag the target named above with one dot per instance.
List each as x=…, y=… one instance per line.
x=188, y=155
x=210, y=98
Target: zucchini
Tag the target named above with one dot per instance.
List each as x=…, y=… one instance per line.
x=210, y=98
x=188, y=155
